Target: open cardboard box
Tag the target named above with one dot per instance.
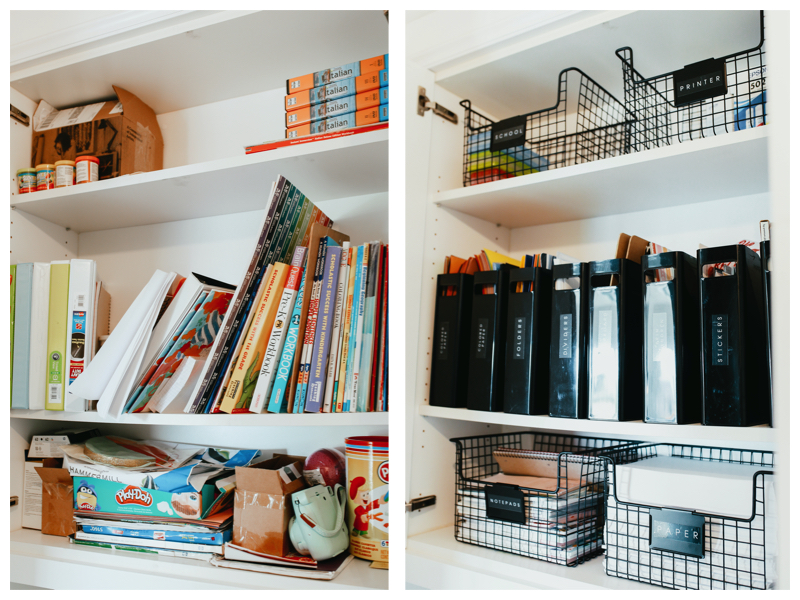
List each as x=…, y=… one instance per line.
x=262, y=506
x=123, y=134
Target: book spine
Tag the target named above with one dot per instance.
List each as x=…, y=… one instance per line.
x=340, y=106
x=348, y=120
x=21, y=336
x=371, y=81
x=322, y=343
x=326, y=76
x=191, y=537
x=38, y=355
x=283, y=143
x=234, y=315
x=368, y=337
x=293, y=245
x=362, y=293
x=80, y=318
x=242, y=370
x=312, y=218
x=149, y=543
x=353, y=327
x=274, y=345
x=382, y=368
x=127, y=548
x=57, y=335
x=311, y=323
x=278, y=402
x=377, y=331
x=348, y=312
x=333, y=362
x=323, y=93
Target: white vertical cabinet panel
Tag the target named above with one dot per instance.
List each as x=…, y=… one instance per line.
x=364, y=218
x=716, y=223
x=222, y=129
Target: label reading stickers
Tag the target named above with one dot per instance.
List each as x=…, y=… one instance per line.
x=700, y=81
x=508, y=133
x=505, y=503
x=677, y=531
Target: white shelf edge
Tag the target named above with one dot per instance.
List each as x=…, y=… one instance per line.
x=37, y=555
x=630, y=429
x=529, y=183
x=475, y=567
x=216, y=420
x=222, y=164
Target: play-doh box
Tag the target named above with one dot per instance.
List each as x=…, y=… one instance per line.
x=101, y=496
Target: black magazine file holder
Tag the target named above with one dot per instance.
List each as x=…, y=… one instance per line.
x=568, y=343
x=614, y=358
x=734, y=336
x=767, y=316
x=672, y=366
x=487, y=345
x=528, y=342
x=450, y=350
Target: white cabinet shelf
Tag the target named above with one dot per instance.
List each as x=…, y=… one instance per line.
x=209, y=58
x=628, y=429
x=725, y=166
x=343, y=168
x=216, y=420
x=52, y=562
x=435, y=560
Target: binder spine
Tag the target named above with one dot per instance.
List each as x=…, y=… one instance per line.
x=569, y=343
x=734, y=340
x=528, y=342
x=672, y=377
x=615, y=343
x=450, y=351
x=488, y=341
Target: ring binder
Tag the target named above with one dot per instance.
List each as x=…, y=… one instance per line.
x=569, y=342
x=450, y=353
x=672, y=367
x=614, y=363
x=488, y=340
x=735, y=391
x=528, y=343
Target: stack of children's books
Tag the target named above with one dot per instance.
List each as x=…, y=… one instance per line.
x=306, y=330
x=59, y=310
x=336, y=102
x=292, y=565
x=153, y=497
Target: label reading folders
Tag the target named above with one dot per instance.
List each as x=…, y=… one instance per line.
x=505, y=503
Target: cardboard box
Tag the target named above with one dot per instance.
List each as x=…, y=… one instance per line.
x=32, y=489
x=262, y=507
x=99, y=495
x=56, y=501
x=124, y=135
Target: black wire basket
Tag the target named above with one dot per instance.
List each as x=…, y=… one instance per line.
x=738, y=553
x=563, y=526
x=578, y=129
x=662, y=118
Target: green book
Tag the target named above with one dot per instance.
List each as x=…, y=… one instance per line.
x=13, y=296
x=57, y=363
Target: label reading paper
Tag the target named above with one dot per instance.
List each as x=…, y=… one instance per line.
x=719, y=340
x=676, y=531
x=505, y=503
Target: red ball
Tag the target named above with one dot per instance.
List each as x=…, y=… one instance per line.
x=326, y=466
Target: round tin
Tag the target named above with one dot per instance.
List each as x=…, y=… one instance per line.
x=45, y=177
x=26, y=181
x=86, y=169
x=65, y=173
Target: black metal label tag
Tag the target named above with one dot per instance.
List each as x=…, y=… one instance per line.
x=444, y=334
x=508, y=133
x=719, y=340
x=505, y=503
x=677, y=531
x=700, y=81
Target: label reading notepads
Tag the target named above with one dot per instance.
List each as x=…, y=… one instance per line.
x=505, y=503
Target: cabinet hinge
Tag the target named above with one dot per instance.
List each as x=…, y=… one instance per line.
x=424, y=104
x=20, y=116
x=14, y=500
x=418, y=503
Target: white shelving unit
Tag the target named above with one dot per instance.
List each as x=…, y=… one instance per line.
x=712, y=191
x=216, y=81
